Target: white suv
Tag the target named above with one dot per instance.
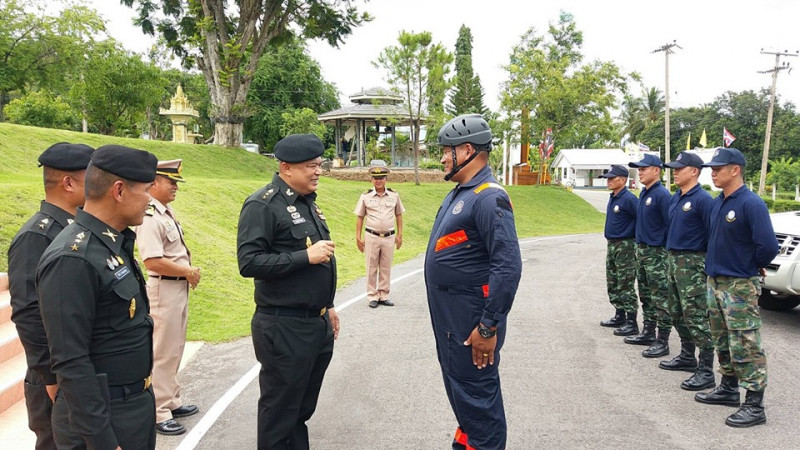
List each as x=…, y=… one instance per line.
x=781, y=287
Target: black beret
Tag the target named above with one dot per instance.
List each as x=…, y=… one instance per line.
x=297, y=148
x=125, y=162
x=66, y=156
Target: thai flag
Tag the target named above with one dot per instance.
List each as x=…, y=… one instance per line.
x=727, y=137
x=643, y=147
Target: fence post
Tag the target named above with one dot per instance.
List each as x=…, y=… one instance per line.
x=774, y=191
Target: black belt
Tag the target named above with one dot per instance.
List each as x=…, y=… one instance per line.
x=686, y=252
x=291, y=312
x=164, y=277
x=387, y=234
x=126, y=390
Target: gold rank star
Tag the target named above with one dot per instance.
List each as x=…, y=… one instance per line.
x=111, y=235
x=74, y=247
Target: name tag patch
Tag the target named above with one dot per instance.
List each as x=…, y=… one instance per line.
x=122, y=273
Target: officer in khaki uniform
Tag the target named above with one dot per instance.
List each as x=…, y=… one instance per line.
x=382, y=211
x=168, y=263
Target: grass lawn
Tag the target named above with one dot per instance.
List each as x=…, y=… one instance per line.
x=208, y=204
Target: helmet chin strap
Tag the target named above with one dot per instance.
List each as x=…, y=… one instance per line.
x=457, y=167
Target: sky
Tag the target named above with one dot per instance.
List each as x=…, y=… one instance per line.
x=721, y=40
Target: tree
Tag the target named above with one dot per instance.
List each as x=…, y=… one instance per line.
x=287, y=78
x=411, y=66
x=546, y=74
x=467, y=97
x=302, y=121
x=639, y=112
x=115, y=90
x=39, y=50
x=42, y=109
x=784, y=172
x=226, y=39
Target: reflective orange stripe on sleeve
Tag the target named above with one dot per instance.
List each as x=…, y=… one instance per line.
x=450, y=240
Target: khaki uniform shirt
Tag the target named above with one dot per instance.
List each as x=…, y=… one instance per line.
x=379, y=211
x=161, y=236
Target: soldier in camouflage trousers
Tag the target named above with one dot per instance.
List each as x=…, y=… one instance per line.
x=652, y=224
x=741, y=243
x=621, y=255
x=687, y=241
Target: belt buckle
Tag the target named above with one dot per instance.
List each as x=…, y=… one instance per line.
x=148, y=382
x=322, y=311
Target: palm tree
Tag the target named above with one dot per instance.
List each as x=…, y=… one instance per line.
x=638, y=112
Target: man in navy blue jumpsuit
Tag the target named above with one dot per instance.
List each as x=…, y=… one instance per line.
x=472, y=270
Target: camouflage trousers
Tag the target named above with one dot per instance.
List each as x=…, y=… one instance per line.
x=736, y=329
x=652, y=278
x=688, y=299
x=621, y=274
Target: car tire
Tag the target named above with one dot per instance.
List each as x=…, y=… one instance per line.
x=777, y=302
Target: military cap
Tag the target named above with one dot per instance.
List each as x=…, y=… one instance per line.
x=125, y=162
x=724, y=156
x=616, y=171
x=297, y=148
x=66, y=156
x=378, y=171
x=647, y=161
x=685, y=159
x=171, y=169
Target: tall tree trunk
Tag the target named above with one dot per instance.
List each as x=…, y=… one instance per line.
x=3, y=102
x=415, y=126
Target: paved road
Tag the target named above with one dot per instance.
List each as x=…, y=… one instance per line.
x=595, y=197
x=567, y=382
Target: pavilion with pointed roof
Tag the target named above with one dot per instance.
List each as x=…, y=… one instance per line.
x=378, y=107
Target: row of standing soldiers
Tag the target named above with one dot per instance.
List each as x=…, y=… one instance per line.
x=697, y=261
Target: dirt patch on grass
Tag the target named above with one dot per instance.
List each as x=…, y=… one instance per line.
x=397, y=175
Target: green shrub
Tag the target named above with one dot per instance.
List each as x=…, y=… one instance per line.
x=785, y=205
x=42, y=109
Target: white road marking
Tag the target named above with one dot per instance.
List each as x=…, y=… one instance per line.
x=198, y=431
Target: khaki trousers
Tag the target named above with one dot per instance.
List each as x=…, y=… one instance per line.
x=169, y=307
x=379, y=252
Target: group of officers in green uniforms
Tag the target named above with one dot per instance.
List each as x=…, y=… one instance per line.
x=697, y=261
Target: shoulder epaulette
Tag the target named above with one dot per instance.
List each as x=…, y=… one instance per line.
x=268, y=194
x=368, y=191
x=42, y=226
x=391, y=190
x=78, y=243
x=151, y=209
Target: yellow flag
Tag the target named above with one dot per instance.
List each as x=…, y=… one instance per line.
x=688, y=142
x=703, y=139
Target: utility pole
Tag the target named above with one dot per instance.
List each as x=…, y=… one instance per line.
x=778, y=67
x=667, y=49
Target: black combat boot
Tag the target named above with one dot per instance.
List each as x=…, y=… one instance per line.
x=616, y=321
x=684, y=361
x=660, y=347
x=750, y=413
x=703, y=377
x=630, y=327
x=727, y=393
x=646, y=337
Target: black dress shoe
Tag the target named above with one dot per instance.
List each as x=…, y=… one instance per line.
x=386, y=302
x=373, y=303
x=170, y=427
x=185, y=411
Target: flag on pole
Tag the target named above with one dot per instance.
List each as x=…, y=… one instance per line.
x=689, y=141
x=727, y=137
x=703, y=141
x=643, y=147
x=549, y=143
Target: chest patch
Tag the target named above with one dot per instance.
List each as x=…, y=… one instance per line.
x=459, y=206
x=731, y=216
x=648, y=201
x=687, y=206
x=616, y=209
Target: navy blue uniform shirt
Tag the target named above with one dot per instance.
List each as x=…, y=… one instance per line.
x=652, y=217
x=688, y=214
x=621, y=215
x=474, y=243
x=741, y=239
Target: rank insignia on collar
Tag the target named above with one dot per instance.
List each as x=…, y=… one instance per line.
x=111, y=235
x=289, y=192
x=69, y=221
x=291, y=208
x=44, y=223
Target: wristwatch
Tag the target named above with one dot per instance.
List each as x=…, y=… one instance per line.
x=485, y=331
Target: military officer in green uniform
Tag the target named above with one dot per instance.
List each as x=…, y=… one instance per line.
x=96, y=313
x=63, y=168
x=285, y=245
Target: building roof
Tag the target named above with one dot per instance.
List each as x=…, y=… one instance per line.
x=377, y=95
x=590, y=158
